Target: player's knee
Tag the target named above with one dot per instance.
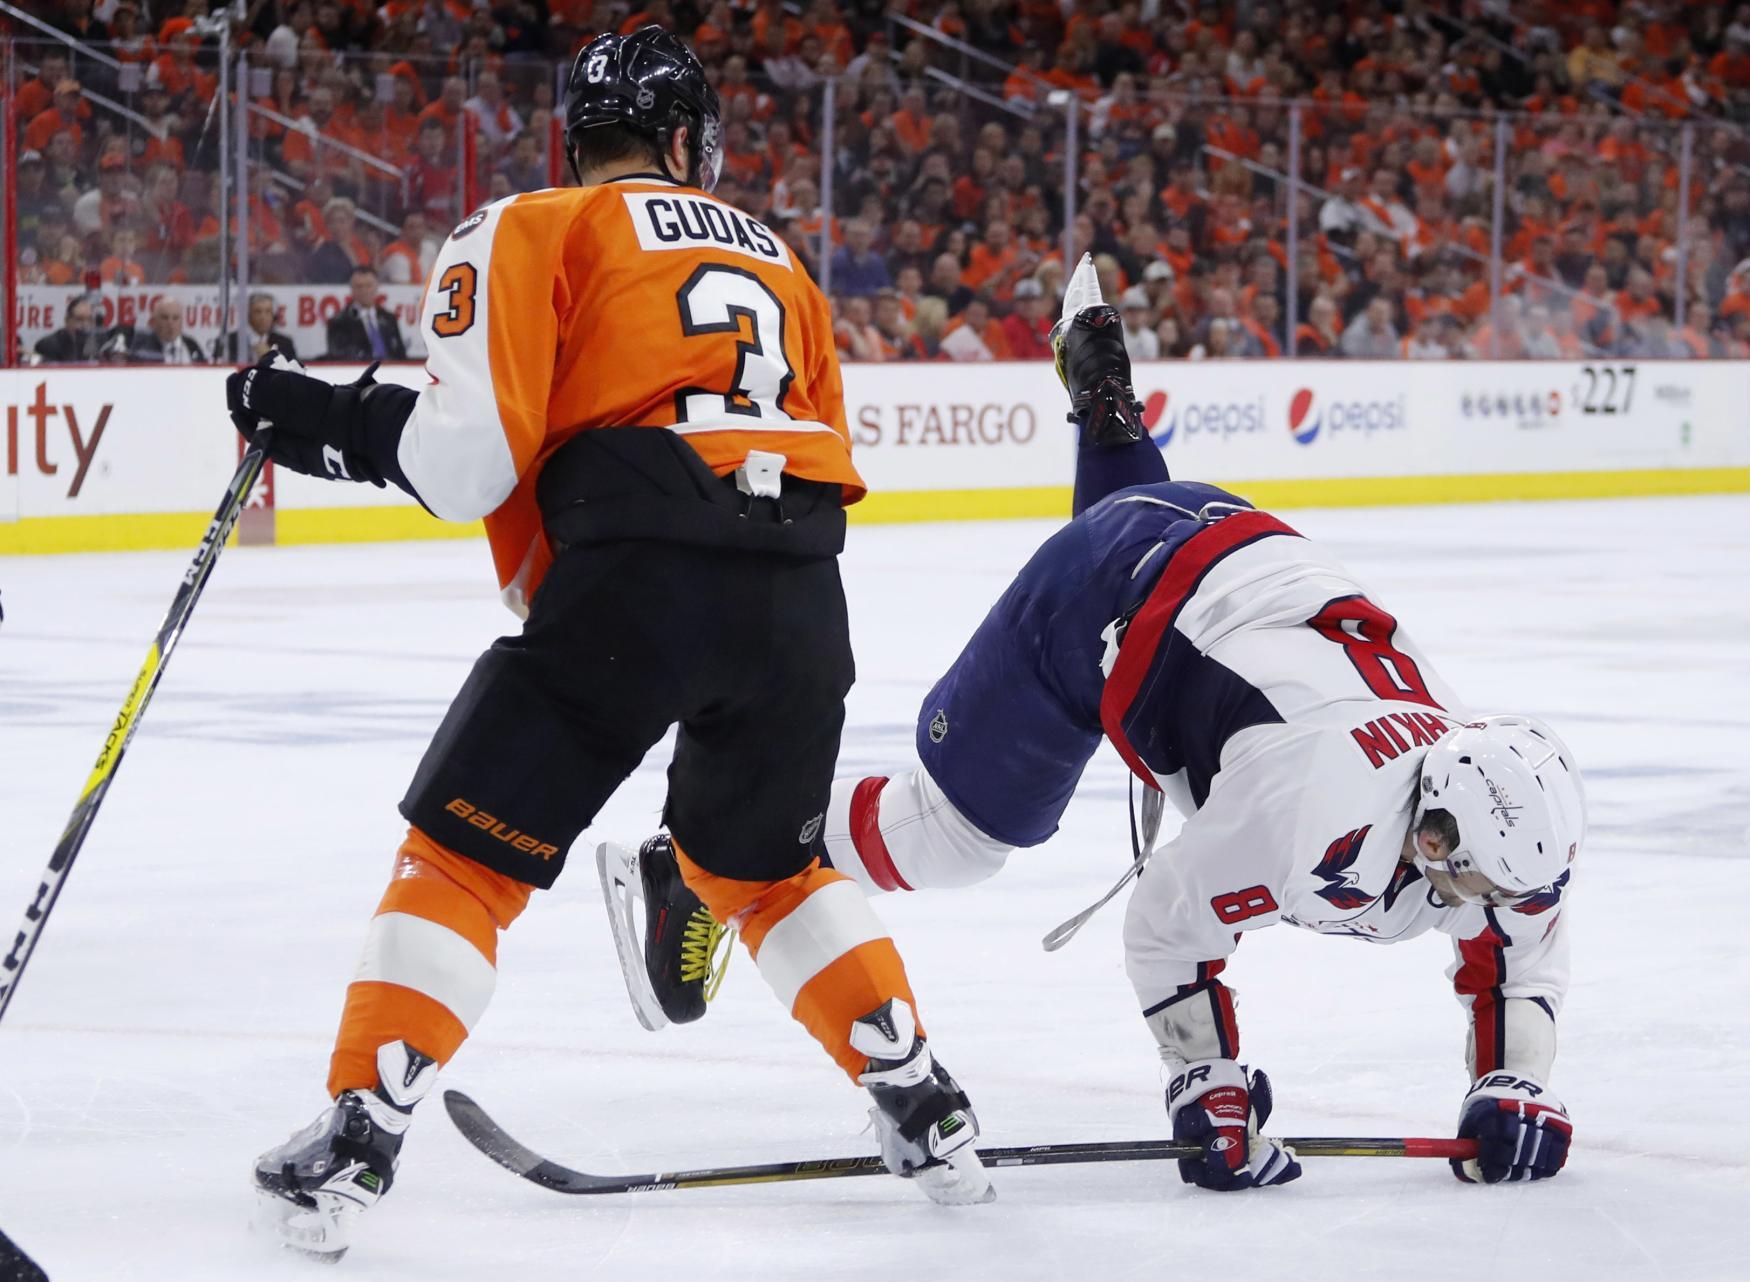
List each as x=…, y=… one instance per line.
x=902, y=833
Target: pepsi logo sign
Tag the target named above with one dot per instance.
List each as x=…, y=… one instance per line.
x=1304, y=419
x=1309, y=415
x=1152, y=410
x=1164, y=416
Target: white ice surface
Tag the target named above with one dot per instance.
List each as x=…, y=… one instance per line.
x=176, y=1020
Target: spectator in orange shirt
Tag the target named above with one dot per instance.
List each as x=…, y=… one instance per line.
x=58, y=257
x=769, y=13
x=1318, y=334
x=1636, y=302
x=37, y=94
x=824, y=19
x=967, y=194
x=854, y=331
x=404, y=259
x=1026, y=82
x=994, y=262
x=734, y=84
x=892, y=325
x=1731, y=65
x=128, y=42
x=1427, y=166
x=177, y=71
x=303, y=148
x=911, y=123
x=61, y=118
x=447, y=107
x=401, y=116
x=711, y=37
x=121, y=268
x=973, y=336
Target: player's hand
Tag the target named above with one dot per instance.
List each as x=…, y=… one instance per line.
x=1217, y=1104
x=1521, y=1129
x=311, y=435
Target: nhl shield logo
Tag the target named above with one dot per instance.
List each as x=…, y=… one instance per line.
x=938, y=726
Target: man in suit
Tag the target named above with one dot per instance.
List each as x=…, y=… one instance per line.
x=261, y=339
x=363, y=331
x=164, y=342
x=77, y=341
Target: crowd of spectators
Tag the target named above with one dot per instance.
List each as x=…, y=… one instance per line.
x=945, y=236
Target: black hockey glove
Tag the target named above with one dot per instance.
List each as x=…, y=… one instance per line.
x=349, y=432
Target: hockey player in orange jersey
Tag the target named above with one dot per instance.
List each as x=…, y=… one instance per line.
x=635, y=385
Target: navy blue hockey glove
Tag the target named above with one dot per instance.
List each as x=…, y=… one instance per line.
x=1522, y=1131
x=1217, y=1104
x=319, y=428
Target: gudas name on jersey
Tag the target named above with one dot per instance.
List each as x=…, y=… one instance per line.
x=678, y=220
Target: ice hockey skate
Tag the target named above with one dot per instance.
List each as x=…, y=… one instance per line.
x=923, y=1119
x=1089, y=345
x=311, y=1189
x=675, y=968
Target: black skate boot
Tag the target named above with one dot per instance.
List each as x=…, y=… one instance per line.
x=311, y=1188
x=1094, y=366
x=677, y=967
x=923, y=1119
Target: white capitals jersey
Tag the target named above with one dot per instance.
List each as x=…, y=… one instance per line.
x=1300, y=814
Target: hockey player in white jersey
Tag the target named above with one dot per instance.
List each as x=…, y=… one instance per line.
x=1329, y=778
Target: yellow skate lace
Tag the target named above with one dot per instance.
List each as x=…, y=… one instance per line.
x=705, y=951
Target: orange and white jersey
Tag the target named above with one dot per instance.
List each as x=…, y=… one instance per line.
x=635, y=303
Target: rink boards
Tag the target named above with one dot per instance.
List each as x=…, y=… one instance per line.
x=101, y=459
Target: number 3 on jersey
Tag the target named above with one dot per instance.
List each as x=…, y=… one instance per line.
x=720, y=300
x=459, y=282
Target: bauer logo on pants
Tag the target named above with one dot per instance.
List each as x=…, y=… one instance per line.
x=513, y=837
x=810, y=829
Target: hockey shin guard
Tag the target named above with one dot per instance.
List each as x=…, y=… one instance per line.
x=818, y=944
x=429, y=963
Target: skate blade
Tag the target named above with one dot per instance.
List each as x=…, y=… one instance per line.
x=961, y=1180
x=622, y=893
x=320, y=1233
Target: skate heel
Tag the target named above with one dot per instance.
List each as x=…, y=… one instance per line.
x=922, y=1118
x=321, y=1229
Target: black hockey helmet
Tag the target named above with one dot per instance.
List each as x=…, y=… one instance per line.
x=651, y=82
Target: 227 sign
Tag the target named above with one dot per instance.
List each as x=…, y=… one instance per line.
x=1605, y=389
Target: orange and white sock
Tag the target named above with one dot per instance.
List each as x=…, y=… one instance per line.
x=429, y=963
x=817, y=943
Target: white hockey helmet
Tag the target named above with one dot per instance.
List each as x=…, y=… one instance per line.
x=1512, y=787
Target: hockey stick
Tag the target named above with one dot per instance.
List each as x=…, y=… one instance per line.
x=16, y=1266
x=127, y=720
x=491, y=1139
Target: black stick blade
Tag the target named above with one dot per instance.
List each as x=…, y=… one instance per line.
x=16, y=1266
x=493, y=1140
